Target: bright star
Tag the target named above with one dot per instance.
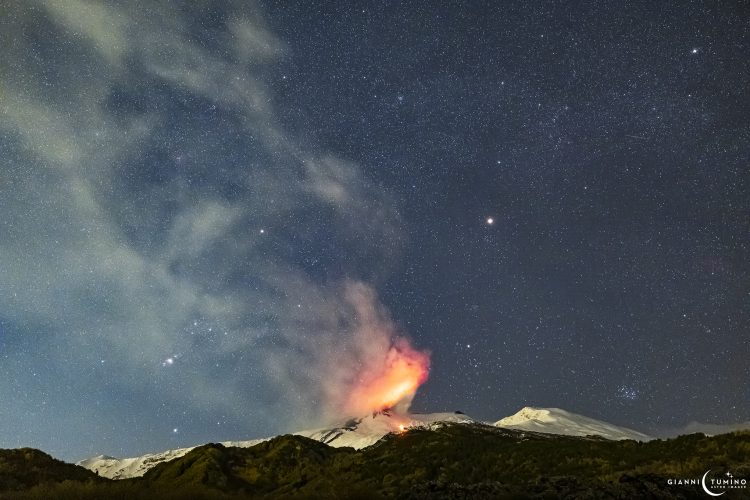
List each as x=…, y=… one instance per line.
x=490, y=221
x=694, y=51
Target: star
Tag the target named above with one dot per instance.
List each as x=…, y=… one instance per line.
x=694, y=51
x=490, y=221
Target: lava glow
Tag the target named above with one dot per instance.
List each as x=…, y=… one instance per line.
x=403, y=370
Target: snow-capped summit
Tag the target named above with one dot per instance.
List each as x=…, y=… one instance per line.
x=362, y=432
x=557, y=421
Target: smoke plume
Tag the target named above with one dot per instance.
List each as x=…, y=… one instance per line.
x=381, y=368
x=168, y=241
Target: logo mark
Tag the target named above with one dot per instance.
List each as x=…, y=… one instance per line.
x=705, y=486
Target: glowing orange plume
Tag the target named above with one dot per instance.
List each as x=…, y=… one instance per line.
x=371, y=367
x=403, y=370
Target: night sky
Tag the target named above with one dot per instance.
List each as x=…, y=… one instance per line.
x=552, y=198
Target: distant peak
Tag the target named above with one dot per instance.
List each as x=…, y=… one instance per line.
x=559, y=421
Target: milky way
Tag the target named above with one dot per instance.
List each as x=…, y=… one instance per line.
x=551, y=200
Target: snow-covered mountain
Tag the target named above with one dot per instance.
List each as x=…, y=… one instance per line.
x=356, y=433
x=557, y=421
x=365, y=431
x=123, y=468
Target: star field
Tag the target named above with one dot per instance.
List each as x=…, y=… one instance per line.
x=551, y=198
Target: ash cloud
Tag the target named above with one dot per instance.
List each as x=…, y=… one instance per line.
x=153, y=208
x=360, y=361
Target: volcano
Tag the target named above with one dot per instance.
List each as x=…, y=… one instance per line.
x=364, y=431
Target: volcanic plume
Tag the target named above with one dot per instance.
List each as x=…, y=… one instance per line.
x=379, y=368
x=391, y=380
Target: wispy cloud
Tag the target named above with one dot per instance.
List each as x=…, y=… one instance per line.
x=153, y=205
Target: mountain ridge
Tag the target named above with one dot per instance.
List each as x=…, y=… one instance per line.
x=438, y=459
x=361, y=432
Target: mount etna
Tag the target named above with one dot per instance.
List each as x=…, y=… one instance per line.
x=535, y=453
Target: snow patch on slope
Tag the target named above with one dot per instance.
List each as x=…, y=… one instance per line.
x=123, y=468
